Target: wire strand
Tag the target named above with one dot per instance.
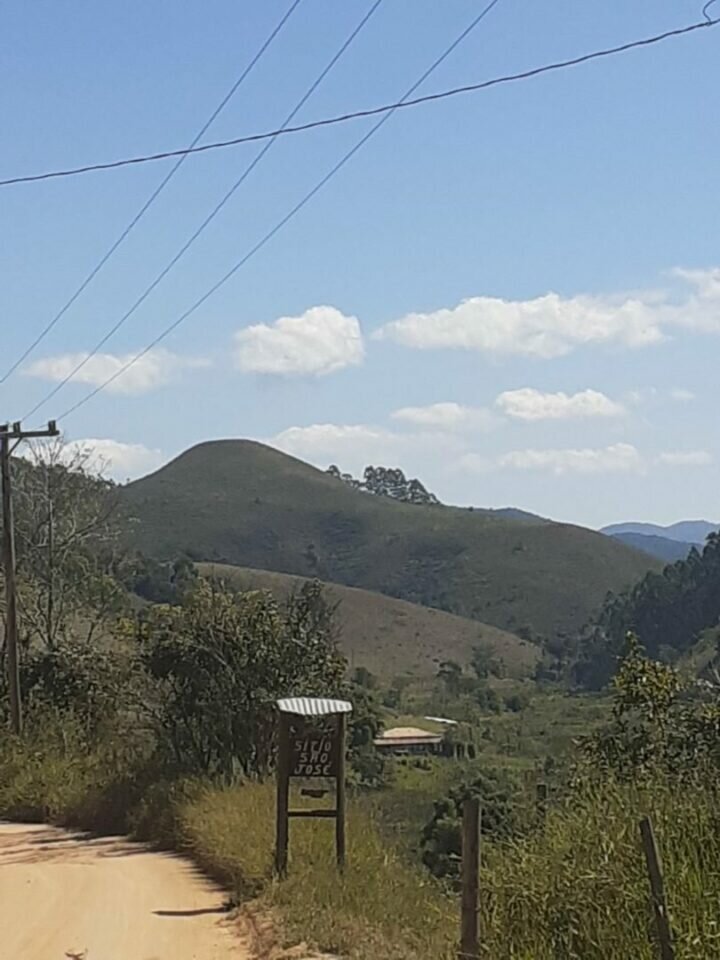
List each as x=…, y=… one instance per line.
x=182, y=157
x=287, y=218
x=372, y=111
x=209, y=218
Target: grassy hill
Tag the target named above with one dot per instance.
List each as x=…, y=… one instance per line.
x=391, y=636
x=239, y=502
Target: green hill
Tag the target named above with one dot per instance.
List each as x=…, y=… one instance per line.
x=391, y=636
x=239, y=502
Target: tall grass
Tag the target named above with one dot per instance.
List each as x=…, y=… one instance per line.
x=379, y=906
x=577, y=890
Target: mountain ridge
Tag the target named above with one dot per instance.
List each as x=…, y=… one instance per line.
x=663, y=548
x=247, y=504
x=684, y=531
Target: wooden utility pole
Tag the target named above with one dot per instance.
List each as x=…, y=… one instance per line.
x=10, y=437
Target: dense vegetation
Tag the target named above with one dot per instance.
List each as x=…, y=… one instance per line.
x=243, y=503
x=669, y=610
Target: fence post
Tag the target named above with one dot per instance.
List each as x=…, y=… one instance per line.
x=541, y=794
x=469, y=942
x=657, y=888
x=282, y=821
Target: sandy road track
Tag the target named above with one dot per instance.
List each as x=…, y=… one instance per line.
x=64, y=896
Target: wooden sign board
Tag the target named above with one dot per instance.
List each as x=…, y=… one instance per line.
x=314, y=753
x=311, y=745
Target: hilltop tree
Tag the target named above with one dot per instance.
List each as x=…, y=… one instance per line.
x=388, y=482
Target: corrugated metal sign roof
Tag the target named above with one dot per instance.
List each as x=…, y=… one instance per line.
x=313, y=706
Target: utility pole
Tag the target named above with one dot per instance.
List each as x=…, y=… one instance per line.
x=10, y=437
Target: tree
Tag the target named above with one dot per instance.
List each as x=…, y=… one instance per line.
x=221, y=659
x=365, y=724
x=362, y=677
x=450, y=675
x=161, y=582
x=67, y=531
x=484, y=661
x=658, y=724
x=518, y=701
x=78, y=681
x=441, y=838
x=668, y=610
x=387, y=482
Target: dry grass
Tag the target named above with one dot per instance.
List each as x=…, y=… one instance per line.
x=381, y=906
x=578, y=891
x=390, y=636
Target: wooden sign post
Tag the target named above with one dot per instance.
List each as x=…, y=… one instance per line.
x=311, y=746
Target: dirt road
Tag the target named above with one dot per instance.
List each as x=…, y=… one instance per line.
x=65, y=896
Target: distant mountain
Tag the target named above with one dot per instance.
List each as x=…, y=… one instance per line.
x=243, y=503
x=661, y=547
x=685, y=531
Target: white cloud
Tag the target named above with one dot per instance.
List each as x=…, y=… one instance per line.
x=531, y=404
x=120, y=461
x=446, y=416
x=155, y=369
x=685, y=458
x=706, y=282
x=353, y=446
x=548, y=326
x=618, y=458
x=682, y=396
x=319, y=341
x=553, y=326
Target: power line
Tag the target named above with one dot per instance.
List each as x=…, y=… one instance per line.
x=210, y=217
x=182, y=156
x=372, y=111
x=288, y=216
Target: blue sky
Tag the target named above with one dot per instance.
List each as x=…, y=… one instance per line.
x=574, y=216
